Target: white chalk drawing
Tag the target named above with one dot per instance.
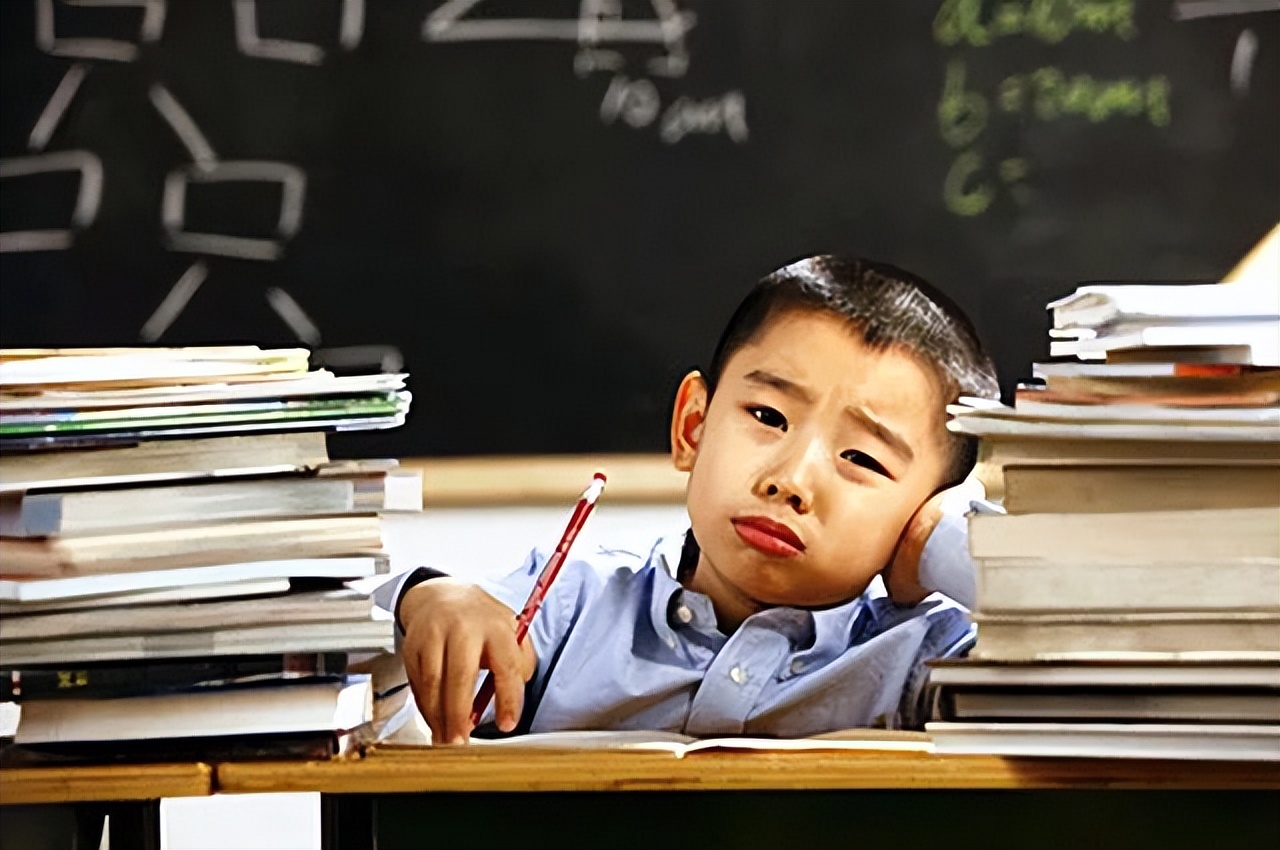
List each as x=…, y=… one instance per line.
x=113, y=50
x=1242, y=62
x=599, y=23
x=250, y=43
x=188, y=133
x=172, y=305
x=88, y=198
x=85, y=163
x=297, y=320
x=53, y=111
x=207, y=168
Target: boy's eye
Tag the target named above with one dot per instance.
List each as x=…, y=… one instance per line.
x=865, y=460
x=769, y=417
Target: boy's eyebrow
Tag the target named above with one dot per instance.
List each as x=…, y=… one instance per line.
x=779, y=383
x=882, y=431
x=863, y=416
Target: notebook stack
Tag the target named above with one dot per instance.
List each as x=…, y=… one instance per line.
x=1129, y=598
x=177, y=550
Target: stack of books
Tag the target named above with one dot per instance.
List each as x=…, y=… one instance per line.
x=178, y=546
x=1129, y=597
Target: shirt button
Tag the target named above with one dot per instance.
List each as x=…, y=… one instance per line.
x=684, y=615
x=738, y=675
x=797, y=666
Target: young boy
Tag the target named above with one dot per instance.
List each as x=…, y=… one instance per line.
x=816, y=451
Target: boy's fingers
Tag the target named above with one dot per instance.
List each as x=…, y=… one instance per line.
x=461, y=668
x=425, y=677
x=506, y=662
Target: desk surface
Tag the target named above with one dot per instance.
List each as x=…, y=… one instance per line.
x=509, y=769
x=104, y=782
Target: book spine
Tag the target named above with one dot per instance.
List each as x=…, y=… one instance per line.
x=120, y=680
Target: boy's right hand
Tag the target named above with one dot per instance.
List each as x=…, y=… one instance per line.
x=452, y=631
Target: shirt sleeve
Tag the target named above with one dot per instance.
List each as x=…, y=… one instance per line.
x=945, y=564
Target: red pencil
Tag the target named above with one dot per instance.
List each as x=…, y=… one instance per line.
x=580, y=513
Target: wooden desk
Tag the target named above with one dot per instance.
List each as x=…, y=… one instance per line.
x=484, y=798
x=509, y=769
x=57, y=806
x=101, y=783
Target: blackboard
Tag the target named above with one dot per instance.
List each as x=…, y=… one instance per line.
x=545, y=209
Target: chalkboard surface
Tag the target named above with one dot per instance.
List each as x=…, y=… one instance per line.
x=545, y=209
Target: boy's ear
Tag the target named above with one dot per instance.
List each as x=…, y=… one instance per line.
x=687, y=418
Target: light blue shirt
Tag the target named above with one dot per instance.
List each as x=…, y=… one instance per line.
x=622, y=645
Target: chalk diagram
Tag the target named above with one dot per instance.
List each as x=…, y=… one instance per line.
x=601, y=29
x=206, y=167
x=600, y=24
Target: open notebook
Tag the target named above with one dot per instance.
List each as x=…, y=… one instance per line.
x=398, y=724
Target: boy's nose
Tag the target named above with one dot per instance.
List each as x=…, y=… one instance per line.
x=791, y=479
x=797, y=502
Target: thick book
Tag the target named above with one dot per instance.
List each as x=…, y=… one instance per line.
x=1210, y=535
x=131, y=367
x=1108, y=489
x=1212, y=741
x=376, y=634
x=1260, y=339
x=296, y=746
x=85, y=512
x=1111, y=705
x=319, y=606
x=1144, y=380
x=111, y=585
x=1134, y=671
x=1031, y=637
x=1068, y=449
x=272, y=709
x=1033, y=585
x=163, y=460
x=192, y=546
x=106, y=681
x=1006, y=423
x=1100, y=304
x=159, y=596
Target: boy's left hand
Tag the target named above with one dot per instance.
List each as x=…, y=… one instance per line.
x=902, y=575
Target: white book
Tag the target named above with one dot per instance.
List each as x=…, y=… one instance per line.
x=80, y=587
x=85, y=512
x=1136, y=413
x=160, y=596
x=154, y=366
x=318, y=606
x=1133, y=672
x=282, y=709
x=1050, y=637
x=1115, y=705
x=373, y=635
x=1262, y=338
x=978, y=425
x=1098, y=304
x=1031, y=585
x=191, y=546
x=1226, y=742
x=1155, y=537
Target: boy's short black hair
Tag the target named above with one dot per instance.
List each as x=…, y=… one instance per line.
x=889, y=308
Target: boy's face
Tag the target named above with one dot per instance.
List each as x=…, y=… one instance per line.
x=806, y=465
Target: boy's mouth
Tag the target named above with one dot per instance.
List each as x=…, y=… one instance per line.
x=769, y=537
